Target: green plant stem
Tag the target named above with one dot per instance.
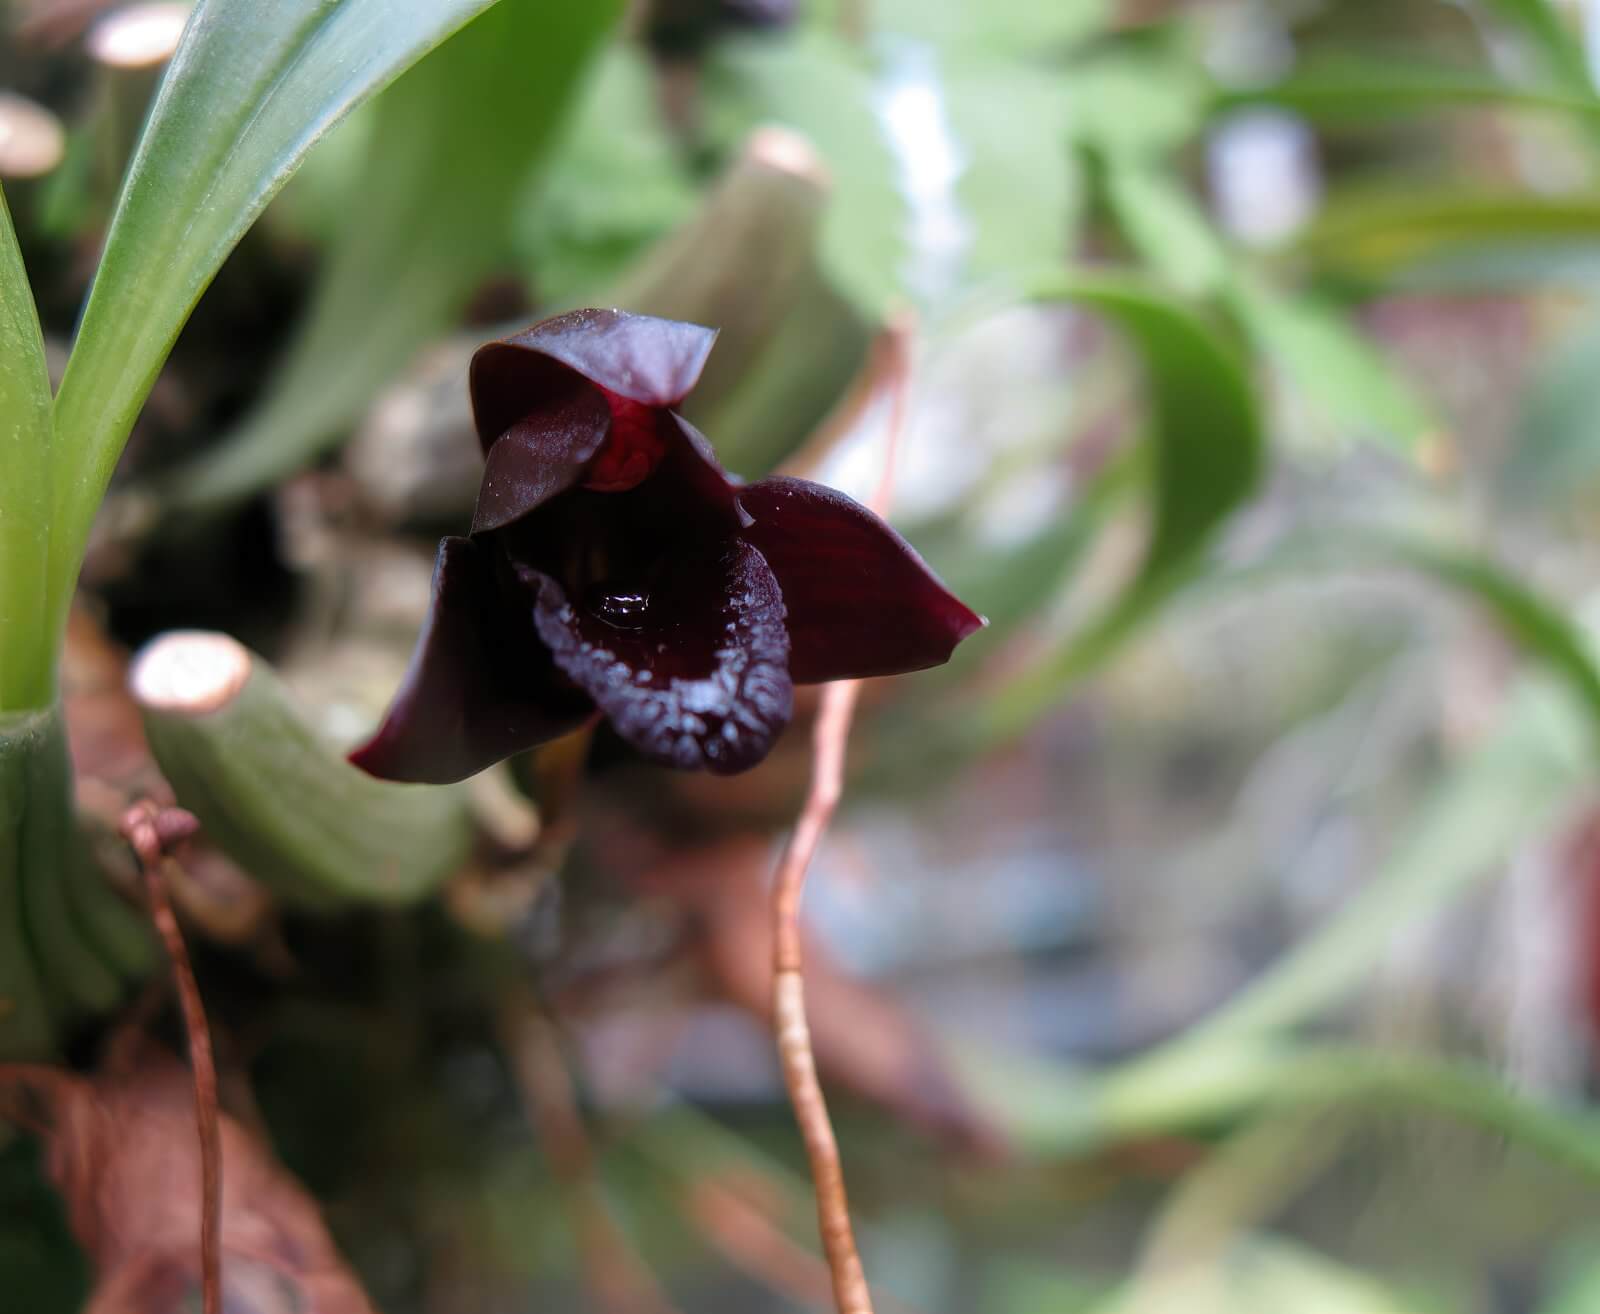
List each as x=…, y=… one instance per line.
x=67, y=939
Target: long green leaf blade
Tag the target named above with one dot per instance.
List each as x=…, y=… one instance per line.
x=453, y=142
x=1206, y=439
x=250, y=89
x=26, y=679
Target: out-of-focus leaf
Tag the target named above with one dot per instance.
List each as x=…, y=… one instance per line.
x=1334, y=89
x=1166, y=227
x=1321, y=356
x=1206, y=442
x=807, y=366
x=1010, y=586
x=27, y=659
x=1377, y=235
x=613, y=186
x=1557, y=453
x=1329, y=363
x=822, y=88
x=1261, y=1275
x=1538, y=762
x=451, y=144
x=1013, y=1285
x=1136, y=103
x=1054, y=1109
x=315, y=204
x=741, y=263
x=1020, y=189
x=1027, y=28
x=1556, y=42
x=1576, y=1292
x=1538, y=625
x=248, y=92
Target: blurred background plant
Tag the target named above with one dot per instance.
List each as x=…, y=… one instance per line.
x=1220, y=930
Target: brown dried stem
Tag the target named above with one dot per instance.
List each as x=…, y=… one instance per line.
x=748, y=1236
x=830, y=738
x=151, y=830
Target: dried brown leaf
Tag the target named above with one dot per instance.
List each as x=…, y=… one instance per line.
x=123, y=1153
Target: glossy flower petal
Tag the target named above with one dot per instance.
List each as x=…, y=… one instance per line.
x=480, y=685
x=860, y=600
x=651, y=361
x=539, y=457
x=694, y=673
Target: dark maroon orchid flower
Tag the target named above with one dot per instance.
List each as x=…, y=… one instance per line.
x=614, y=565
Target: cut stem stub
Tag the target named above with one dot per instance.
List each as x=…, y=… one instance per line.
x=275, y=795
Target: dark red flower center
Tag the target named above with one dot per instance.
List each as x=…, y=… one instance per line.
x=631, y=451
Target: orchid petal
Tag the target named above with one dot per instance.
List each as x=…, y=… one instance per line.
x=860, y=600
x=540, y=456
x=648, y=360
x=480, y=686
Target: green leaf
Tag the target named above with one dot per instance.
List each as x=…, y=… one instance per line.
x=1539, y=626
x=823, y=89
x=1377, y=234
x=1553, y=40
x=1020, y=189
x=614, y=185
x=1260, y=1275
x=1328, y=362
x=746, y=262
x=1507, y=792
x=1345, y=88
x=1317, y=351
x=27, y=661
x=1576, y=1291
x=1168, y=229
x=1026, y=28
x=251, y=88
x=1206, y=442
x=428, y=221
x=1052, y=1110
x=1137, y=102
x=1010, y=586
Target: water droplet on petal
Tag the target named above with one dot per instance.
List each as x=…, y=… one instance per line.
x=619, y=605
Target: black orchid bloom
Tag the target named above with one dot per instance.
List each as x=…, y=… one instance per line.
x=613, y=564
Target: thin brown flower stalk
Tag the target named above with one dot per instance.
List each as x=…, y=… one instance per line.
x=151, y=831
x=754, y=1242
x=830, y=738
